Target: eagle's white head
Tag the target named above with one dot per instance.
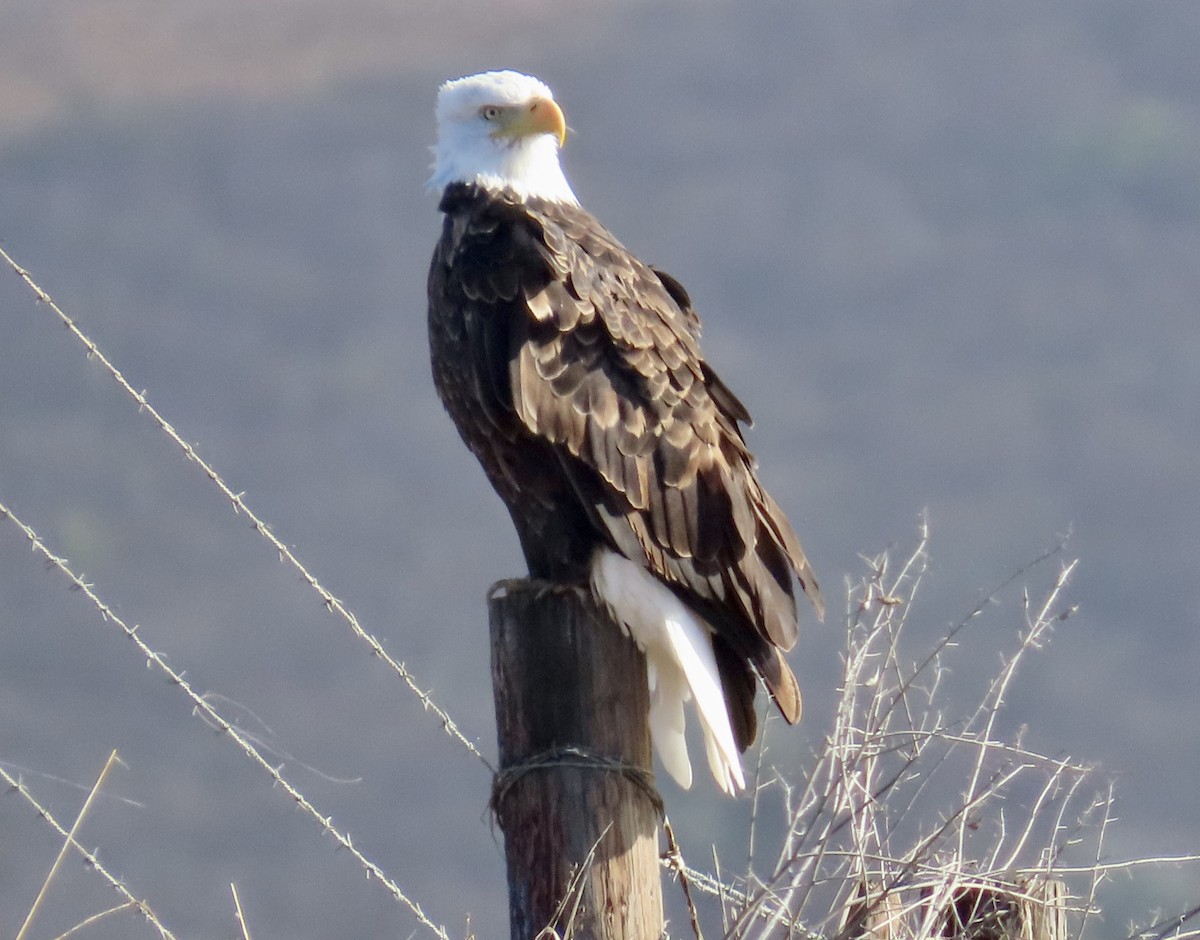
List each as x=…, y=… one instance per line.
x=501, y=130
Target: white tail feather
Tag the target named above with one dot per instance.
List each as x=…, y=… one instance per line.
x=680, y=666
x=668, y=692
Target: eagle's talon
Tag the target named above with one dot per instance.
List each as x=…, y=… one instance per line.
x=543, y=588
x=550, y=588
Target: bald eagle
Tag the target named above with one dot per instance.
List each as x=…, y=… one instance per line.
x=573, y=372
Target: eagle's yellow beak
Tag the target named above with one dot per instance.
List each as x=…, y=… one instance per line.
x=539, y=116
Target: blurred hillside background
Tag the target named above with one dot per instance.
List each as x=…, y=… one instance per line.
x=948, y=254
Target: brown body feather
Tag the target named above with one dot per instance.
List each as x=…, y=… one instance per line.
x=574, y=373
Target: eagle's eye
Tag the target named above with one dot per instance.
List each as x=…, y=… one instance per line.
x=490, y=112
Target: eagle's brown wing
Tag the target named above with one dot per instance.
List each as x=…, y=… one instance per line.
x=606, y=365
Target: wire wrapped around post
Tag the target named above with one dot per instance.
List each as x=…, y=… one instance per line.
x=574, y=795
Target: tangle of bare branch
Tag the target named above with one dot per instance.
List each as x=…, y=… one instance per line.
x=905, y=815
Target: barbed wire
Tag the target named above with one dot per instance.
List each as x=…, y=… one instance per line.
x=203, y=708
x=850, y=787
x=237, y=500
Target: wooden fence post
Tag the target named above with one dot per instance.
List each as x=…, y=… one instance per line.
x=574, y=795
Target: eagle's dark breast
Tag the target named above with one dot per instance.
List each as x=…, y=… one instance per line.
x=574, y=374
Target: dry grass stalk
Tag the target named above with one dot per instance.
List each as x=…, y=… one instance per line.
x=237, y=910
x=67, y=843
